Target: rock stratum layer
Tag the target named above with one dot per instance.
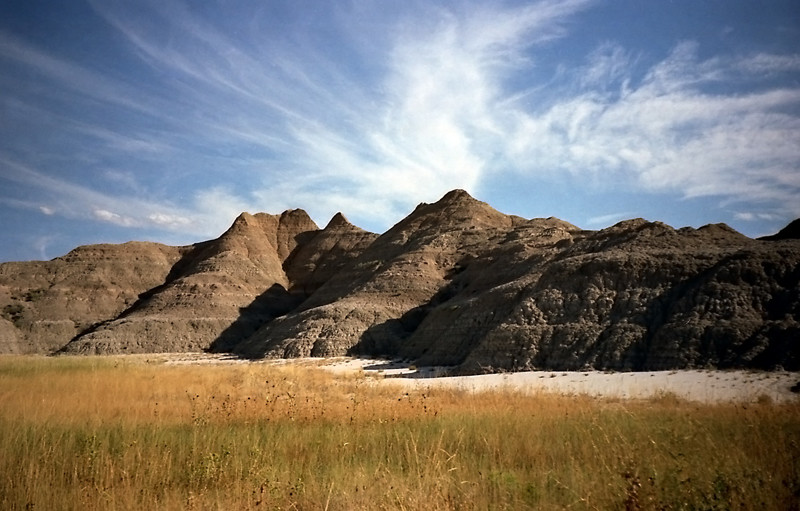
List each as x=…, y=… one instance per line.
x=455, y=283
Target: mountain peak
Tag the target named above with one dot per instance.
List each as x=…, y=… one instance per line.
x=338, y=221
x=243, y=219
x=457, y=195
x=459, y=207
x=454, y=283
x=295, y=213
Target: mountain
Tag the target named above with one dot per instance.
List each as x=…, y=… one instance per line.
x=44, y=304
x=226, y=288
x=219, y=290
x=636, y=296
x=372, y=305
x=454, y=283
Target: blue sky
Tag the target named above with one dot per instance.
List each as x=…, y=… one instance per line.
x=162, y=120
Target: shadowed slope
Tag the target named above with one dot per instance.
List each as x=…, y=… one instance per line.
x=790, y=232
x=401, y=270
x=455, y=283
x=325, y=254
x=638, y=295
x=320, y=255
x=220, y=278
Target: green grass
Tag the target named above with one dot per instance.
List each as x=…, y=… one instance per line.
x=120, y=434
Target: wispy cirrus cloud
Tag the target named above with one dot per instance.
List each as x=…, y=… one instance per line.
x=677, y=130
x=371, y=117
x=766, y=63
x=436, y=122
x=604, y=220
x=80, y=80
x=65, y=198
x=749, y=216
x=428, y=126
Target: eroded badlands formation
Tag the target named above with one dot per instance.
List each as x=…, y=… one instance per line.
x=455, y=283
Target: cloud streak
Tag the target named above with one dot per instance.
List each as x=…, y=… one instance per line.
x=667, y=132
x=57, y=196
x=428, y=127
x=371, y=118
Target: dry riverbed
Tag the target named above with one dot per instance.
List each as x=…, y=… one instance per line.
x=706, y=386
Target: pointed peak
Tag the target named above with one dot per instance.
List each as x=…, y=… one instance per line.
x=338, y=221
x=456, y=209
x=243, y=217
x=639, y=227
x=242, y=221
x=457, y=196
x=454, y=199
x=293, y=219
x=464, y=203
x=629, y=224
x=720, y=230
x=243, y=224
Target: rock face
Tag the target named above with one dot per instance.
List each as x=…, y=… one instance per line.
x=367, y=306
x=45, y=304
x=455, y=283
x=637, y=296
x=224, y=289
x=202, y=300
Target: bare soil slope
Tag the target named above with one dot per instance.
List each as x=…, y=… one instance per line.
x=373, y=304
x=636, y=296
x=458, y=283
x=455, y=283
x=228, y=287
x=44, y=304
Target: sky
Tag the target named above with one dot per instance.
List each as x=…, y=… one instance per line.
x=162, y=120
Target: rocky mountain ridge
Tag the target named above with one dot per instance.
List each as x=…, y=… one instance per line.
x=454, y=283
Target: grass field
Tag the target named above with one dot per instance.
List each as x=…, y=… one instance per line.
x=125, y=433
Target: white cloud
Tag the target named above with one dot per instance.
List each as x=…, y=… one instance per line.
x=436, y=124
x=766, y=63
x=125, y=142
x=608, y=64
x=608, y=219
x=426, y=126
x=215, y=208
x=40, y=245
x=438, y=105
x=749, y=216
x=111, y=217
x=80, y=202
x=667, y=133
x=167, y=220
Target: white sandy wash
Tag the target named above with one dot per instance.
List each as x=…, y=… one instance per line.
x=706, y=386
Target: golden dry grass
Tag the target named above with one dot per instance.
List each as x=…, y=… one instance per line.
x=122, y=433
